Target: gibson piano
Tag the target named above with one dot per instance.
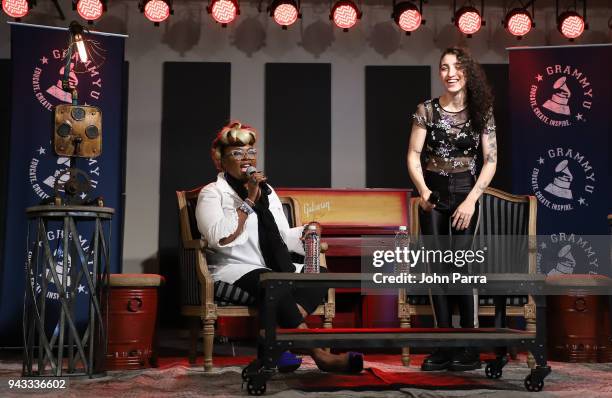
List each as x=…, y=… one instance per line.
x=346, y=215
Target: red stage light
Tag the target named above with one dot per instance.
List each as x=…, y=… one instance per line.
x=285, y=12
x=345, y=14
x=570, y=24
x=518, y=22
x=157, y=11
x=224, y=11
x=90, y=9
x=15, y=8
x=468, y=20
x=407, y=16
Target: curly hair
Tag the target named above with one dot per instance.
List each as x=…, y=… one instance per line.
x=234, y=134
x=479, y=97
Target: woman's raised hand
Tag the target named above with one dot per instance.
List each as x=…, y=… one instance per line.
x=253, y=185
x=425, y=205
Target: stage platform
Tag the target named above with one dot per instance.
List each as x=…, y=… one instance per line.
x=384, y=376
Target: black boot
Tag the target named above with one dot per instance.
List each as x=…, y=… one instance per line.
x=439, y=359
x=465, y=359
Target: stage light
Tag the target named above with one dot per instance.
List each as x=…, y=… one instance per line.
x=90, y=10
x=345, y=14
x=78, y=39
x=157, y=11
x=468, y=20
x=570, y=24
x=518, y=22
x=15, y=8
x=407, y=16
x=285, y=12
x=224, y=11
x=76, y=33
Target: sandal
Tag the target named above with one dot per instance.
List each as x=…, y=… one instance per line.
x=355, y=362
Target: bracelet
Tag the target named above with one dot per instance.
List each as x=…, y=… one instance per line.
x=249, y=202
x=245, y=208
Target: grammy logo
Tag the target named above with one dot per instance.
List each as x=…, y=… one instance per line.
x=560, y=98
x=561, y=184
x=566, y=262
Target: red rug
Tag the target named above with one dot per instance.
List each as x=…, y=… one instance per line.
x=377, y=379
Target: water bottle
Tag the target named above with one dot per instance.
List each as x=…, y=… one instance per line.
x=402, y=240
x=312, y=247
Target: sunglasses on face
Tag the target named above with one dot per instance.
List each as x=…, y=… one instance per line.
x=239, y=154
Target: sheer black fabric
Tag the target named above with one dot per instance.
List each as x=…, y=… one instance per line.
x=451, y=145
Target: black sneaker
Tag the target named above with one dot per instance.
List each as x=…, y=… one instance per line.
x=465, y=359
x=440, y=359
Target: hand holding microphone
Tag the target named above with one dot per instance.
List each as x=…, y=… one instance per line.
x=429, y=200
x=257, y=181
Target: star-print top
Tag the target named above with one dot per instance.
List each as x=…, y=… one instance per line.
x=451, y=144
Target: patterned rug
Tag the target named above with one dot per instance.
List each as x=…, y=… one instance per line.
x=384, y=377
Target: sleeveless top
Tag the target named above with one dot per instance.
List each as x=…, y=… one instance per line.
x=451, y=144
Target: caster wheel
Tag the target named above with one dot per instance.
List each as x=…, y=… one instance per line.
x=251, y=368
x=256, y=387
x=532, y=385
x=493, y=372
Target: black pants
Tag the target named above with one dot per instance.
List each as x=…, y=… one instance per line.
x=287, y=313
x=438, y=234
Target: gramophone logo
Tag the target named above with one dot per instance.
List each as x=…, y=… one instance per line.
x=563, y=179
x=56, y=239
x=566, y=254
x=45, y=168
x=85, y=77
x=561, y=96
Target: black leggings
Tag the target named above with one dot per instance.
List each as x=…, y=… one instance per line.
x=438, y=234
x=287, y=313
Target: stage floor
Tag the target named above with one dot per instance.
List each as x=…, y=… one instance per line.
x=383, y=377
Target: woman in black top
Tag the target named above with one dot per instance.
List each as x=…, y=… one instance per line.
x=452, y=130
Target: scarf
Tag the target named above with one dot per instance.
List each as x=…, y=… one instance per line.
x=273, y=248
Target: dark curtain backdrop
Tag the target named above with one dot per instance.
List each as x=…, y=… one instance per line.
x=392, y=95
x=5, y=128
x=193, y=110
x=298, y=124
x=497, y=74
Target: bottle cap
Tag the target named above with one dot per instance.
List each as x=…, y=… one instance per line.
x=403, y=228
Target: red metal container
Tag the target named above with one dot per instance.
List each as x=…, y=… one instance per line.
x=132, y=320
x=578, y=328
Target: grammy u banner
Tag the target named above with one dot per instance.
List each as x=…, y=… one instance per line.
x=37, y=63
x=561, y=103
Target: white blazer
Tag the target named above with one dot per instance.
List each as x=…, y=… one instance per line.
x=217, y=217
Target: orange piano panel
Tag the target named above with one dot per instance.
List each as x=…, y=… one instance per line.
x=352, y=211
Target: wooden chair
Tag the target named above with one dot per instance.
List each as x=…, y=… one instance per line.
x=501, y=213
x=197, y=286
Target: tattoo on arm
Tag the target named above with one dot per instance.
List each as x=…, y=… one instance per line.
x=492, y=155
x=481, y=188
x=419, y=169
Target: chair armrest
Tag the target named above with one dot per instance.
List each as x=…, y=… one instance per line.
x=198, y=248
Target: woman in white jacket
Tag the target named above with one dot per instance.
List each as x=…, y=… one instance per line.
x=247, y=230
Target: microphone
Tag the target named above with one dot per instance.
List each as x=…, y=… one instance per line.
x=434, y=197
x=262, y=185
